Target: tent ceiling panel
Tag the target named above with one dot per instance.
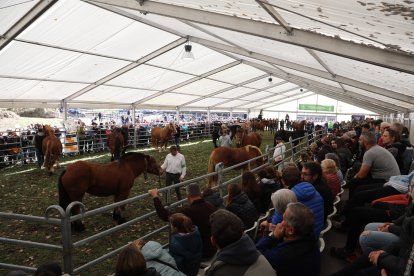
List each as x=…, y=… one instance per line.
x=234, y=93
x=150, y=77
x=180, y=28
x=371, y=74
x=114, y=94
x=17, y=89
x=311, y=77
x=268, y=47
x=282, y=88
x=237, y=103
x=207, y=102
x=235, y=74
x=384, y=22
x=32, y=61
x=263, y=83
x=11, y=11
x=205, y=60
x=374, y=97
x=241, y=57
x=256, y=96
x=202, y=87
x=170, y=99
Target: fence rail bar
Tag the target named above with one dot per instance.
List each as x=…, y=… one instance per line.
x=116, y=251
x=31, y=244
x=18, y=267
x=29, y=218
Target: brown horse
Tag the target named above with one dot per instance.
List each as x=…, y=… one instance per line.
x=115, y=178
x=243, y=138
x=115, y=142
x=162, y=136
x=230, y=157
x=257, y=125
x=299, y=125
x=52, y=149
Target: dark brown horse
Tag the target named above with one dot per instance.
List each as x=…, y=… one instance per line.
x=299, y=125
x=243, y=138
x=115, y=178
x=52, y=149
x=230, y=157
x=115, y=142
x=162, y=136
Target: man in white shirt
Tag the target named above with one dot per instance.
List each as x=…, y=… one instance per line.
x=280, y=150
x=175, y=168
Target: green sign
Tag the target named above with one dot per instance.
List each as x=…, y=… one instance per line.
x=316, y=107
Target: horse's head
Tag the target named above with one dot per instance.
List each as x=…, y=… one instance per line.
x=152, y=165
x=48, y=130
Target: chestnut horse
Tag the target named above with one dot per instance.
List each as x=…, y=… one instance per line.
x=52, y=149
x=299, y=125
x=230, y=157
x=243, y=138
x=115, y=142
x=115, y=178
x=162, y=135
x=257, y=125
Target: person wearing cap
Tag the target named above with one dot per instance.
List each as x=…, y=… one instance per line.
x=175, y=168
x=198, y=211
x=280, y=149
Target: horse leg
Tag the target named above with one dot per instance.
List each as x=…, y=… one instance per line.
x=77, y=225
x=117, y=214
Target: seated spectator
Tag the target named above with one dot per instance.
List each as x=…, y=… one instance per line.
x=292, y=249
x=335, y=158
x=237, y=254
x=132, y=262
x=158, y=257
x=378, y=165
x=304, y=157
x=396, y=258
x=185, y=244
x=344, y=155
x=280, y=199
x=269, y=183
x=306, y=194
x=329, y=171
x=48, y=269
x=391, y=141
x=312, y=173
x=213, y=197
x=252, y=189
x=239, y=204
x=198, y=211
x=383, y=126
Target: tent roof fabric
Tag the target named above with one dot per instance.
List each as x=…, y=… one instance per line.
x=111, y=53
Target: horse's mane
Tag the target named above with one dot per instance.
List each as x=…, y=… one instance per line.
x=128, y=155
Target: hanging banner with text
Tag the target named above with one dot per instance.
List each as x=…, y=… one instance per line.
x=316, y=107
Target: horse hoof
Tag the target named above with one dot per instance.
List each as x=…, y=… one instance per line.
x=121, y=220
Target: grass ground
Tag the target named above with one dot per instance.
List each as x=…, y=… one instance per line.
x=28, y=190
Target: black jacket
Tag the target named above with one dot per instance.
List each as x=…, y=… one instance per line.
x=244, y=209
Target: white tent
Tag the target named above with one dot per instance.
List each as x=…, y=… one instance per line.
x=127, y=53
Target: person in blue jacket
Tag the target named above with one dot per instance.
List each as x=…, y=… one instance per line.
x=185, y=244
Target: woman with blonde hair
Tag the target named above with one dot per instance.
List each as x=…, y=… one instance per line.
x=329, y=171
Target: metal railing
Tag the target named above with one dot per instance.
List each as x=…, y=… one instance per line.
x=67, y=246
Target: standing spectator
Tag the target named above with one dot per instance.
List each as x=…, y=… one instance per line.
x=215, y=134
x=81, y=137
x=38, y=139
x=237, y=254
x=279, y=153
x=292, y=249
x=175, y=168
x=177, y=135
x=239, y=204
x=198, y=211
x=224, y=140
x=185, y=244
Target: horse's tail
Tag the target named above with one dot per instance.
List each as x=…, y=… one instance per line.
x=212, y=180
x=64, y=199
